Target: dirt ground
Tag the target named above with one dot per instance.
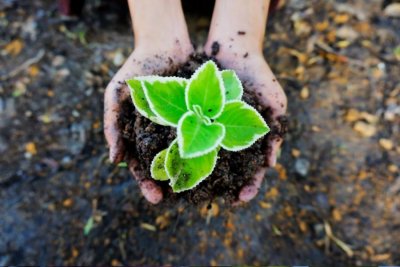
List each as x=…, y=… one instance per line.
x=334, y=197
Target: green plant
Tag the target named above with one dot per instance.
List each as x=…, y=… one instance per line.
x=208, y=113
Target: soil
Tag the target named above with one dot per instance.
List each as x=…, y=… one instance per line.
x=332, y=200
x=144, y=139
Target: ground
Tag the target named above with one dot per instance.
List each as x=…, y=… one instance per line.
x=334, y=197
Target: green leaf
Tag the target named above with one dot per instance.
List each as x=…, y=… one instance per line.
x=123, y=165
x=88, y=226
x=243, y=125
x=166, y=97
x=140, y=101
x=186, y=174
x=206, y=89
x=198, y=136
x=233, y=86
x=157, y=168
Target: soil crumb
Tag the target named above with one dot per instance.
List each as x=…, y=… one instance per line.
x=144, y=139
x=214, y=48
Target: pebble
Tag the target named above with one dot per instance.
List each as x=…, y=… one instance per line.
x=386, y=144
x=392, y=10
x=302, y=166
x=304, y=93
x=347, y=33
x=61, y=74
x=319, y=230
x=119, y=58
x=364, y=129
x=58, y=61
x=391, y=111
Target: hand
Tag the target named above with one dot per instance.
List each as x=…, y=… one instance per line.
x=162, y=43
x=140, y=62
x=257, y=76
x=239, y=28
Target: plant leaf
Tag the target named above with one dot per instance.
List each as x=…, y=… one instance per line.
x=140, y=101
x=88, y=226
x=206, y=89
x=243, y=125
x=198, y=136
x=233, y=86
x=186, y=174
x=157, y=168
x=166, y=97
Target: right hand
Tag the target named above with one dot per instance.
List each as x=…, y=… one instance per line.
x=142, y=61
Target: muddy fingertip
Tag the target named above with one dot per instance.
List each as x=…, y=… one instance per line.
x=151, y=192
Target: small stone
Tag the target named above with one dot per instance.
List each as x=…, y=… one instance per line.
x=304, y=93
x=393, y=168
x=118, y=58
x=58, y=61
x=62, y=73
x=302, y=166
x=386, y=144
x=392, y=10
x=347, y=33
x=364, y=129
x=75, y=113
x=319, y=230
x=66, y=160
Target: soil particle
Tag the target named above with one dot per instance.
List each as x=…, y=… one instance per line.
x=144, y=139
x=214, y=48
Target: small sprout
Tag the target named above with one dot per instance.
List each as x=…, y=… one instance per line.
x=208, y=113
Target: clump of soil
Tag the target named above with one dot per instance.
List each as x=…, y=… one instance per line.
x=144, y=139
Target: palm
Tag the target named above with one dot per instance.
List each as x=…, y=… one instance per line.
x=257, y=76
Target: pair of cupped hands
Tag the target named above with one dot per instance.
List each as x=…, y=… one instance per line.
x=158, y=55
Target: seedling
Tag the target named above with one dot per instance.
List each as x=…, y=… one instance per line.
x=208, y=114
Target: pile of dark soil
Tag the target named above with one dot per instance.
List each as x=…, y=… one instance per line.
x=144, y=139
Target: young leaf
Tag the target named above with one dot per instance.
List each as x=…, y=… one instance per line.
x=187, y=173
x=157, y=168
x=140, y=101
x=206, y=89
x=198, y=136
x=166, y=98
x=233, y=86
x=243, y=125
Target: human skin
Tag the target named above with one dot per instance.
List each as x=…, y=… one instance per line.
x=161, y=43
x=238, y=26
x=161, y=34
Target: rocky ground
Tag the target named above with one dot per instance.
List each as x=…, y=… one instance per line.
x=334, y=197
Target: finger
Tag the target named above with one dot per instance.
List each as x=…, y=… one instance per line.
x=116, y=92
x=150, y=190
x=248, y=192
x=273, y=151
